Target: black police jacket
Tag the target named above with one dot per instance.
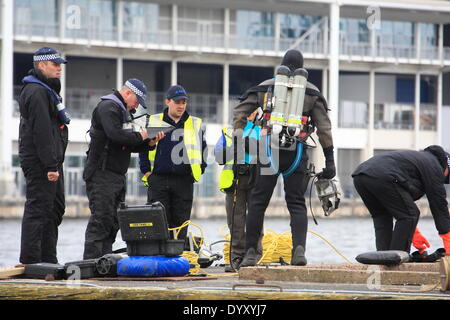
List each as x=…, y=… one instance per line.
x=418, y=172
x=111, y=145
x=42, y=137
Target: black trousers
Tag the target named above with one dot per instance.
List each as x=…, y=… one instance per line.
x=175, y=192
x=236, y=209
x=387, y=201
x=43, y=213
x=105, y=190
x=294, y=188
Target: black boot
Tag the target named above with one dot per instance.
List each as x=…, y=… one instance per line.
x=249, y=259
x=298, y=256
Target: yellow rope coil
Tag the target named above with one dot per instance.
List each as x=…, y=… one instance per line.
x=191, y=256
x=276, y=246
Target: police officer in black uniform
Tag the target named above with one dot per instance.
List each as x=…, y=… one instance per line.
x=315, y=107
x=43, y=138
x=107, y=163
x=390, y=183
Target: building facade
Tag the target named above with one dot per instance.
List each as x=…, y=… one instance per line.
x=384, y=67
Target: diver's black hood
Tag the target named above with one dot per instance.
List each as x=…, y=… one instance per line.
x=293, y=59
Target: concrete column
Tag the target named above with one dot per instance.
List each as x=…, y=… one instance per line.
x=62, y=19
x=439, y=109
x=333, y=62
x=373, y=42
x=7, y=188
x=120, y=11
x=371, y=120
x=226, y=28
x=417, y=112
x=325, y=35
x=119, y=73
x=174, y=24
x=277, y=31
x=63, y=80
x=174, y=72
x=441, y=43
x=226, y=93
x=417, y=40
x=325, y=83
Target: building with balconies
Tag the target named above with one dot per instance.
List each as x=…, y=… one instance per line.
x=384, y=67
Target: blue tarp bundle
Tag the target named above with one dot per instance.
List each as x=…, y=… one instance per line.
x=153, y=266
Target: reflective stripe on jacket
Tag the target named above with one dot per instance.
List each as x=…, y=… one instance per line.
x=191, y=140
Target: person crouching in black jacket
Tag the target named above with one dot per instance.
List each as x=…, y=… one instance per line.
x=389, y=183
x=107, y=163
x=43, y=138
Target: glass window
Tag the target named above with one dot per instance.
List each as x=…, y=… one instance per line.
x=252, y=23
x=295, y=25
x=428, y=34
x=93, y=19
x=428, y=102
x=354, y=30
x=397, y=33
x=200, y=26
x=146, y=22
x=428, y=40
x=394, y=101
x=38, y=18
x=252, y=29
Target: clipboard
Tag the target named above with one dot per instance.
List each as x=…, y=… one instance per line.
x=153, y=131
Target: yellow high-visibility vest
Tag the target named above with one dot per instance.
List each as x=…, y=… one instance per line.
x=191, y=139
x=227, y=175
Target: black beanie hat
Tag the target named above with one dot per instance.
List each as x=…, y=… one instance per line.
x=442, y=156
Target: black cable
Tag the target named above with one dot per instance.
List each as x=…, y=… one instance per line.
x=310, y=196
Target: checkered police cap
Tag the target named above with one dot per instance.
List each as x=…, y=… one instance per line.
x=48, y=54
x=138, y=88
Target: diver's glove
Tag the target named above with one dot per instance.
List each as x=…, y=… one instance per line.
x=419, y=241
x=425, y=257
x=446, y=239
x=330, y=169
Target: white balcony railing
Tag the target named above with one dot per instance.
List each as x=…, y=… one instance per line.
x=390, y=116
x=314, y=43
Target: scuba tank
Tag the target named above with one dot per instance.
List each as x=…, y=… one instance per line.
x=285, y=120
x=295, y=109
x=280, y=99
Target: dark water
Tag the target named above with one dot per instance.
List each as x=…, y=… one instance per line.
x=351, y=236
